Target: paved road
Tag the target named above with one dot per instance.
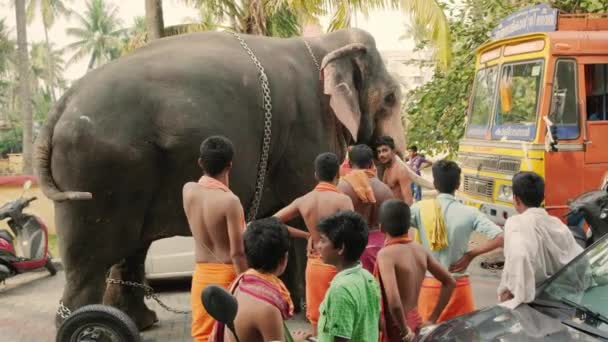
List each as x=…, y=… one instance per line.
x=28, y=303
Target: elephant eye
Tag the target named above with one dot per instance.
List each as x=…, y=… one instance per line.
x=390, y=99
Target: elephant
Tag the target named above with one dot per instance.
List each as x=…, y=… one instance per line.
x=117, y=148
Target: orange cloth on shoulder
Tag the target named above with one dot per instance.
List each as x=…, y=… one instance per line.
x=359, y=181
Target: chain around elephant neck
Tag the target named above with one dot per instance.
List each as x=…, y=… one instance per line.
x=263, y=165
x=312, y=54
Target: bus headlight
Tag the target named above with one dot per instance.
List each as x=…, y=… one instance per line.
x=505, y=193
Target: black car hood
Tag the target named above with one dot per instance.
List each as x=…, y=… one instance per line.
x=498, y=323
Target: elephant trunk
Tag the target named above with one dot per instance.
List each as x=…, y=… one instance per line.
x=42, y=157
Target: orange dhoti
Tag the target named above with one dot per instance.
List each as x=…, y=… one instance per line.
x=318, y=278
x=460, y=303
x=206, y=274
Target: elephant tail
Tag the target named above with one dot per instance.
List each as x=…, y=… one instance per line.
x=42, y=156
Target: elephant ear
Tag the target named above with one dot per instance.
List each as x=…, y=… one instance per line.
x=342, y=71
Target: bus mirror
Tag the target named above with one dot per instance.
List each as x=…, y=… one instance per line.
x=506, y=96
x=551, y=140
x=558, y=102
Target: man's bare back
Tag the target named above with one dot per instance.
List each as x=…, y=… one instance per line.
x=250, y=326
x=313, y=207
x=409, y=264
x=216, y=221
x=405, y=265
x=369, y=211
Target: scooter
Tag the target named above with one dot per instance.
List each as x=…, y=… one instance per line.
x=590, y=207
x=29, y=234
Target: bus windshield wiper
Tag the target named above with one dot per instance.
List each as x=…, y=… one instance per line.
x=589, y=316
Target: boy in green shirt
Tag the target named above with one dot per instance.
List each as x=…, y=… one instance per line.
x=351, y=308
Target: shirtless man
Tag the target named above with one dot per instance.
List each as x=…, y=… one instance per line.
x=259, y=291
x=367, y=193
x=396, y=175
x=401, y=270
x=216, y=219
x=323, y=201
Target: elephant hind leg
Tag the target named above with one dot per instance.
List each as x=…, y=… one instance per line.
x=128, y=298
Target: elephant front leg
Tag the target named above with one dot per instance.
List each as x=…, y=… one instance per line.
x=127, y=298
x=84, y=285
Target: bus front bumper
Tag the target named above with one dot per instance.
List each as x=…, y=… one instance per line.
x=497, y=213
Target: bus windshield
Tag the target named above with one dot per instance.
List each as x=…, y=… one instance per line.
x=519, y=90
x=482, y=102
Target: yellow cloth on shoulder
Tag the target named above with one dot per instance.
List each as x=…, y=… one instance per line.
x=433, y=223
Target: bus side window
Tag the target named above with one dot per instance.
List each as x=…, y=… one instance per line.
x=564, y=111
x=596, y=83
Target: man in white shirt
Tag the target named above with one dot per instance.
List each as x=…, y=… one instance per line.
x=536, y=244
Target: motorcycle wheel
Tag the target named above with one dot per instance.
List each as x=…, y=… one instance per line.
x=98, y=322
x=50, y=266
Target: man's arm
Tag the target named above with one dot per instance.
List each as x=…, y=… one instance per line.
x=271, y=327
x=483, y=225
x=287, y=214
x=414, y=177
x=235, y=221
x=462, y=264
x=391, y=291
x=405, y=187
x=447, y=286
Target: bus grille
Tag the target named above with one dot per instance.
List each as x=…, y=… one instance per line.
x=509, y=165
x=489, y=163
x=478, y=186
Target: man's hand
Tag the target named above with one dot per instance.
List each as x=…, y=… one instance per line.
x=462, y=263
x=407, y=335
x=310, y=248
x=302, y=336
x=506, y=295
x=426, y=324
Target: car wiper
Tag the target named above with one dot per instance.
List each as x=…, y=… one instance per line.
x=589, y=316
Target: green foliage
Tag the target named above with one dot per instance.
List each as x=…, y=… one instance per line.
x=436, y=112
x=11, y=141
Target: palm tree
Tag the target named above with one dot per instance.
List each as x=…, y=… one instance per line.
x=24, y=93
x=154, y=19
x=255, y=16
x=7, y=56
x=49, y=10
x=99, y=34
x=42, y=62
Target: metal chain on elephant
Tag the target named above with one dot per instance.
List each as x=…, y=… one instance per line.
x=312, y=54
x=148, y=293
x=263, y=166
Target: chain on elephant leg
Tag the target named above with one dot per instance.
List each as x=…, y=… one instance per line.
x=129, y=299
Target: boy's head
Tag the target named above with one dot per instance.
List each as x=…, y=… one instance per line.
x=395, y=217
x=343, y=238
x=361, y=157
x=266, y=245
x=216, y=154
x=385, y=147
x=446, y=176
x=326, y=167
x=413, y=151
x=528, y=191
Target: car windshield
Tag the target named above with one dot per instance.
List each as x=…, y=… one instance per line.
x=482, y=101
x=519, y=89
x=583, y=285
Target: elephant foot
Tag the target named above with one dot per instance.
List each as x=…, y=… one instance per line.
x=129, y=299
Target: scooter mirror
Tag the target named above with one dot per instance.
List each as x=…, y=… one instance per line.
x=27, y=185
x=221, y=305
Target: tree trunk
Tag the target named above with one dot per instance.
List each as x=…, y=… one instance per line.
x=51, y=66
x=92, y=61
x=154, y=19
x=24, y=86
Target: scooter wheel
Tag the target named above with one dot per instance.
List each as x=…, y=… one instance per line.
x=98, y=322
x=50, y=267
